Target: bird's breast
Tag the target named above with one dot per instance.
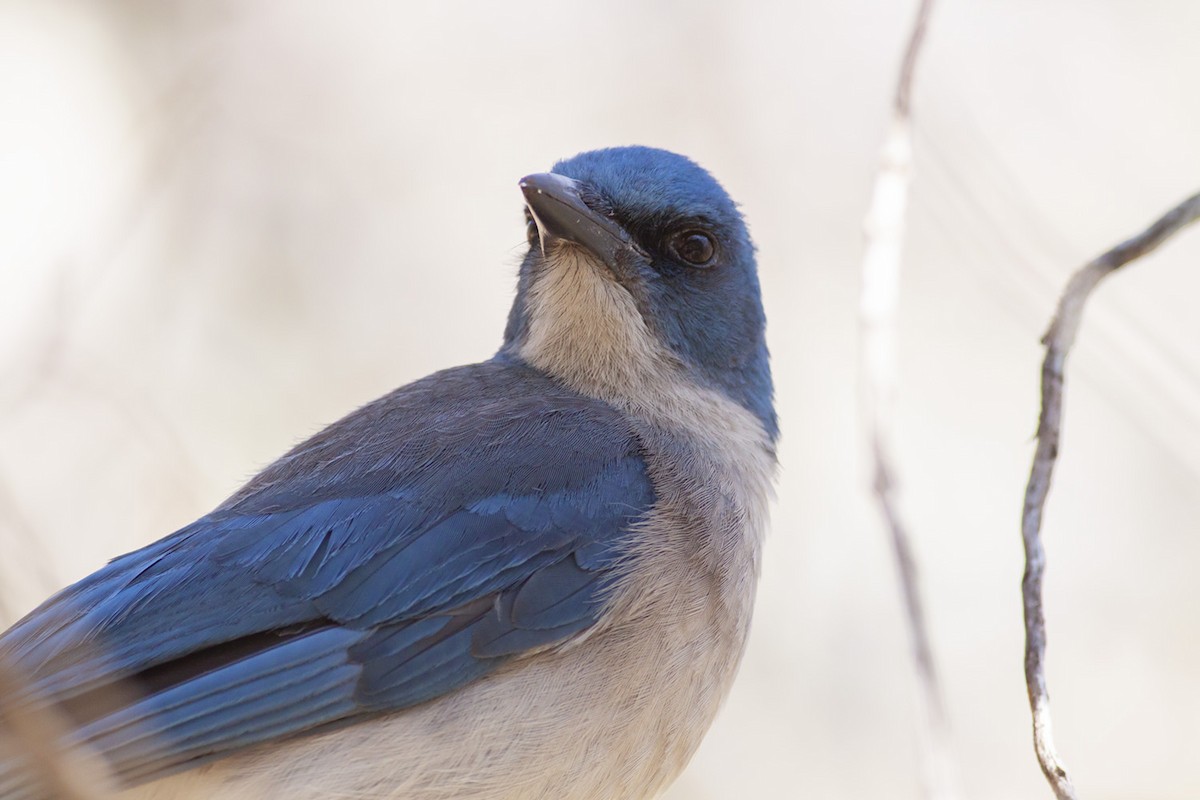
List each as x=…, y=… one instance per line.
x=680, y=615
x=615, y=713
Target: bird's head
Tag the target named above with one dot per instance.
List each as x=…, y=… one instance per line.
x=640, y=269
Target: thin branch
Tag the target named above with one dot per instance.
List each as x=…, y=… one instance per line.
x=1058, y=341
x=908, y=67
x=38, y=736
x=28, y=560
x=884, y=228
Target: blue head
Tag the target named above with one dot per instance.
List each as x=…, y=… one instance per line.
x=650, y=230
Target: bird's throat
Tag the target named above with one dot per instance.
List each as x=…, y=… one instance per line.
x=586, y=330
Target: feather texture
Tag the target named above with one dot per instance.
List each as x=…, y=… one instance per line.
x=403, y=552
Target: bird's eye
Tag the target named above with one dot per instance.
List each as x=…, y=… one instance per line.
x=694, y=247
x=531, y=229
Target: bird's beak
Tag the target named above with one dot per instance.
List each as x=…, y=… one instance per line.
x=560, y=213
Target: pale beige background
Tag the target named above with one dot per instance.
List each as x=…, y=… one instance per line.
x=223, y=224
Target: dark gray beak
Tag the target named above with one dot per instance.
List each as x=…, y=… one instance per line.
x=560, y=213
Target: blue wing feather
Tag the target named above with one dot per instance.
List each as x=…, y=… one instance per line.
x=401, y=553
x=244, y=700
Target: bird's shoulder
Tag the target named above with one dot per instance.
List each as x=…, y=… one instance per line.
x=466, y=430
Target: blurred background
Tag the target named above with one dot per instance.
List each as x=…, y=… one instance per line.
x=223, y=224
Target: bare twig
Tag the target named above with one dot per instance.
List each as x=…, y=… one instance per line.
x=1058, y=341
x=38, y=736
x=884, y=227
x=908, y=67
x=77, y=278
x=27, y=559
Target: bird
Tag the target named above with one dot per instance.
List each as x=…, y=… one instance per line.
x=530, y=577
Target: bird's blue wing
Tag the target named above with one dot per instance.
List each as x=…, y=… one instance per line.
x=401, y=553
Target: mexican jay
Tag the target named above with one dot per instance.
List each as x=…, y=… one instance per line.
x=526, y=578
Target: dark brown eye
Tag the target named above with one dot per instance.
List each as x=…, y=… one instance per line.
x=531, y=229
x=694, y=247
